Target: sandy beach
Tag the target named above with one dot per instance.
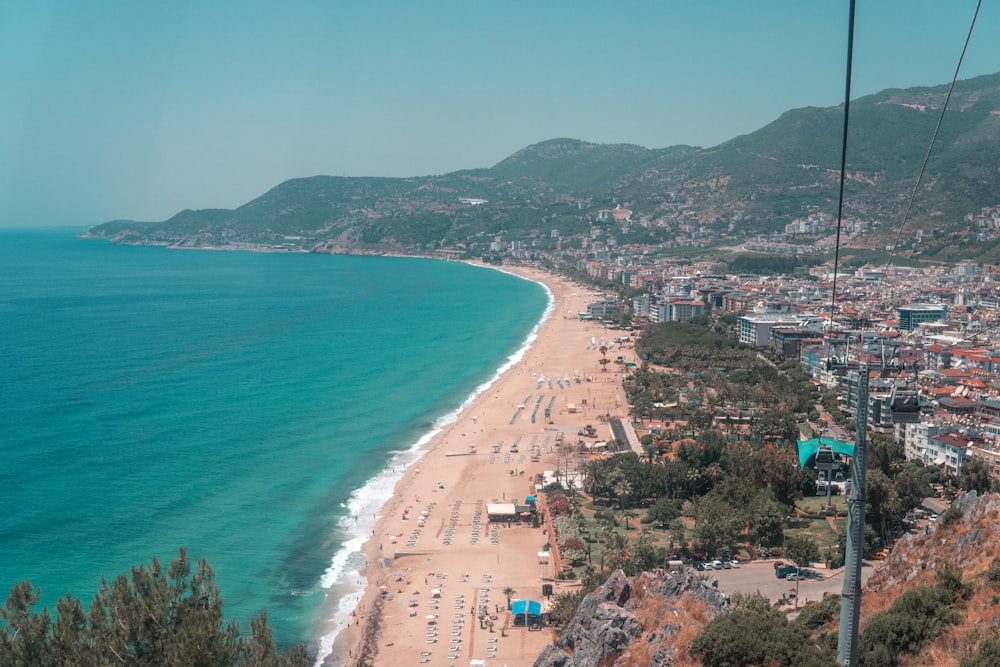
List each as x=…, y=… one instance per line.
x=435, y=560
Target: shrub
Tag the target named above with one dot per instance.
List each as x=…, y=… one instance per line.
x=756, y=637
x=915, y=618
x=818, y=614
x=565, y=605
x=951, y=516
x=993, y=574
x=987, y=654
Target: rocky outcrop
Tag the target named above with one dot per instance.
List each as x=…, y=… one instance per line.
x=644, y=620
x=970, y=542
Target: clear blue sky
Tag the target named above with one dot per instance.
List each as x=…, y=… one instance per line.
x=124, y=109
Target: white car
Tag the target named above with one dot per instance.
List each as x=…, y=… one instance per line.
x=717, y=564
x=734, y=563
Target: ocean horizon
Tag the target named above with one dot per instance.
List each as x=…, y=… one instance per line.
x=257, y=408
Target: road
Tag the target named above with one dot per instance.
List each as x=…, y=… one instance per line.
x=833, y=429
x=936, y=505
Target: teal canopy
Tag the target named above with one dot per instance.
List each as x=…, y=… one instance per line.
x=808, y=448
x=534, y=608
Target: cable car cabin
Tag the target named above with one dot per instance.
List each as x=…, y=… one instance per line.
x=825, y=458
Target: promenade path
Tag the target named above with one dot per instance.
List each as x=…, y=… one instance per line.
x=621, y=429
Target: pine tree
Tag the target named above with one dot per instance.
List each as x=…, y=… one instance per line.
x=152, y=616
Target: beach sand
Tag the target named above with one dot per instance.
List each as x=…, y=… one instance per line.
x=430, y=574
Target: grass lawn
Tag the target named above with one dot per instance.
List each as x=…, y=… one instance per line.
x=819, y=529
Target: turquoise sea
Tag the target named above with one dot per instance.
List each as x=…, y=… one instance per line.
x=246, y=405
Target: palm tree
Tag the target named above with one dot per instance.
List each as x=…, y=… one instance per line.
x=594, y=477
x=508, y=592
x=617, y=548
x=622, y=488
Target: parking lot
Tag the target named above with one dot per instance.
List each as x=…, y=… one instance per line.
x=758, y=576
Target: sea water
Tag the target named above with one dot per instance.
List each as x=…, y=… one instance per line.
x=256, y=408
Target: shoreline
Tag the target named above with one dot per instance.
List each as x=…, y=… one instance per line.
x=363, y=501
x=359, y=567
x=454, y=471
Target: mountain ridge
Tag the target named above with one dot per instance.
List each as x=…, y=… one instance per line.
x=751, y=184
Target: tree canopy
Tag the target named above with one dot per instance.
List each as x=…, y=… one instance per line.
x=155, y=615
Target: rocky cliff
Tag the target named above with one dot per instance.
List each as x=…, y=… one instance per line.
x=967, y=537
x=646, y=620
x=951, y=567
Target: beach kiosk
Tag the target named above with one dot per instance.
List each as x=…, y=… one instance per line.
x=501, y=512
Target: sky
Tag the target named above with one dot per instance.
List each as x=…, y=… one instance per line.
x=137, y=110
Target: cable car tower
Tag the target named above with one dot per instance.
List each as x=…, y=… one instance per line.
x=850, y=596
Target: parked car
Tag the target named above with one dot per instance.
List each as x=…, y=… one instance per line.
x=781, y=570
x=734, y=563
x=717, y=564
x=791, y=576
x=727, y=565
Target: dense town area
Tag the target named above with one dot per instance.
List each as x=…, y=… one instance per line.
x=743, y=390
x=928, y=338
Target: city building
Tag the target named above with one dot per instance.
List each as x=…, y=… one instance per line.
x=914, y=314
x=755, y=328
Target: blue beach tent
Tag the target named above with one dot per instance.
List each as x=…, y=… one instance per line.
x=534, y=612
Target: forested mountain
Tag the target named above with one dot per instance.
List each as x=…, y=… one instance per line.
x=748, y=185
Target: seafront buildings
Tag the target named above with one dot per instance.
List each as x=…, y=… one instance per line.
x=929, y=338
